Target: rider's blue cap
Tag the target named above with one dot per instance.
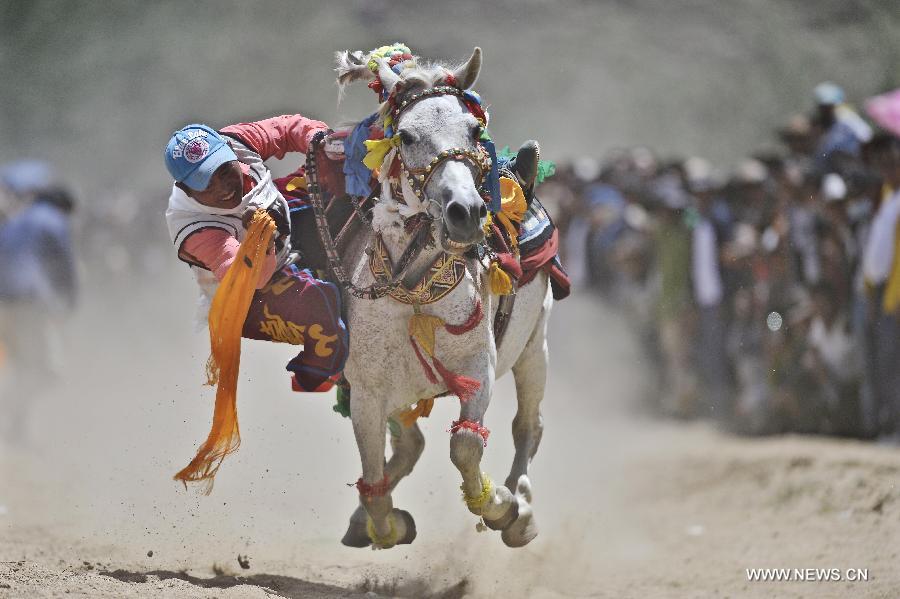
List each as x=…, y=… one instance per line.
x=194, y=153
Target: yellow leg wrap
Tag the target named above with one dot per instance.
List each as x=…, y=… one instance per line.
x=477, y=503
x=389, y=540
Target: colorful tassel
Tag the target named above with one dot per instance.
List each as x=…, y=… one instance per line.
x=378, y=149
x=461, y=386
x=422, y=328
x=423, y=409
x=501, y=284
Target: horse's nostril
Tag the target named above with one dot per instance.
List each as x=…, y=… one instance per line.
x=456, y=213
x=482, y=211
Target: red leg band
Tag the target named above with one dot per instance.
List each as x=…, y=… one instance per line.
x=471, y=426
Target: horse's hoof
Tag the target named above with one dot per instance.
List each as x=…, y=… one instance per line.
x=523, y=530
x=403, y=530
x=410, y=534
x=505, y=521
x=356, y=535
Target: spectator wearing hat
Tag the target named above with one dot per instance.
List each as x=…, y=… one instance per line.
x=842, y=130
x=37, y=288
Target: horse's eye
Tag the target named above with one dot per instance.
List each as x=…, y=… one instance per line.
x=406, y=137
x=476, y=131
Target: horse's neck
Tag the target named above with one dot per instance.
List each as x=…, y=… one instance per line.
x=397, y=241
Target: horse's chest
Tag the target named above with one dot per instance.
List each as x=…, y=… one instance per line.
x=383, y=355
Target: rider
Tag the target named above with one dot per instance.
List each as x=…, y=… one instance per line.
x=220, y=181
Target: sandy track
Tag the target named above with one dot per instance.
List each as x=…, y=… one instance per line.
x=629, y=507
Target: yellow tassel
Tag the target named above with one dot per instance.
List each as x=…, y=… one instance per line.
x=512, y=209
x=487, y=223
x=422, y=328
x=296, y=183
x=501, y=284
x=423, y=409
x=378, y=149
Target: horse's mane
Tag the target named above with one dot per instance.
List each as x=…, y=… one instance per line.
x=417, y=74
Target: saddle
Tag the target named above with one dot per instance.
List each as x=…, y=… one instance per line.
x=339, y=209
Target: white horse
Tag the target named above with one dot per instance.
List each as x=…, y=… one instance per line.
x=385, y=374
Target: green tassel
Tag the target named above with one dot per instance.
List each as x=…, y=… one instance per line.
x=545, y=170
x=342, y=402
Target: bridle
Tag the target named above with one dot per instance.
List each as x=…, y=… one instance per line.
x=422, y=233
x=478, y=160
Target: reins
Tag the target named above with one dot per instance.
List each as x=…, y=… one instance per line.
x=418, y=179
x=380, y=288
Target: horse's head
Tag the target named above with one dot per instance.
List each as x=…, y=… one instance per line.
x=438, y=144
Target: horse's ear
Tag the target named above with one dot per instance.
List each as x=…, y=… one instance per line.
x=351, y=66
x=466, y=74
x=389, y=79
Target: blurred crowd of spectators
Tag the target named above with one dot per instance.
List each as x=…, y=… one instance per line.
x=768, y=299
x=37, y=287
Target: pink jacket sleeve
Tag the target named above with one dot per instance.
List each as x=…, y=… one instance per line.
x=216, y=249
x=278, y=135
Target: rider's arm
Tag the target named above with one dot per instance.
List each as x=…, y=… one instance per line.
x=216, y=249
x=274, y=137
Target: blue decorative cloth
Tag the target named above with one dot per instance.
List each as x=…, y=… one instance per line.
x=357, y=175
x=493, y=182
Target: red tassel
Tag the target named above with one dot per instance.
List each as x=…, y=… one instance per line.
x=429, y=373
x=461, y=386
x=472, y=322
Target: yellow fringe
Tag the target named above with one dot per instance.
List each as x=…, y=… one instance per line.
x=226, y=321
x=500, y=282
x=386, y=541
x=476, y=504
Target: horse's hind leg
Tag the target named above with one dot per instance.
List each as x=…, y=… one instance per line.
x=530, y=372
x=406, y=448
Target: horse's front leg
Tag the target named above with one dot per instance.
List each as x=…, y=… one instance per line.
x=494, y=503
x=385, y=525
x=407, y=444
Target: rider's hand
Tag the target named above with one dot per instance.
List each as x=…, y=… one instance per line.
x=247, y=216
x=334, y=145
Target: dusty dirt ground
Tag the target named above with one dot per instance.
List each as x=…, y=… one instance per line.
x=628, y=506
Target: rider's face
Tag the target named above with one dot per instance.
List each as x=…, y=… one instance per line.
x=225, y=189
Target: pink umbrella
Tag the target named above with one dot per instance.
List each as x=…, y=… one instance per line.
x=885, y=110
